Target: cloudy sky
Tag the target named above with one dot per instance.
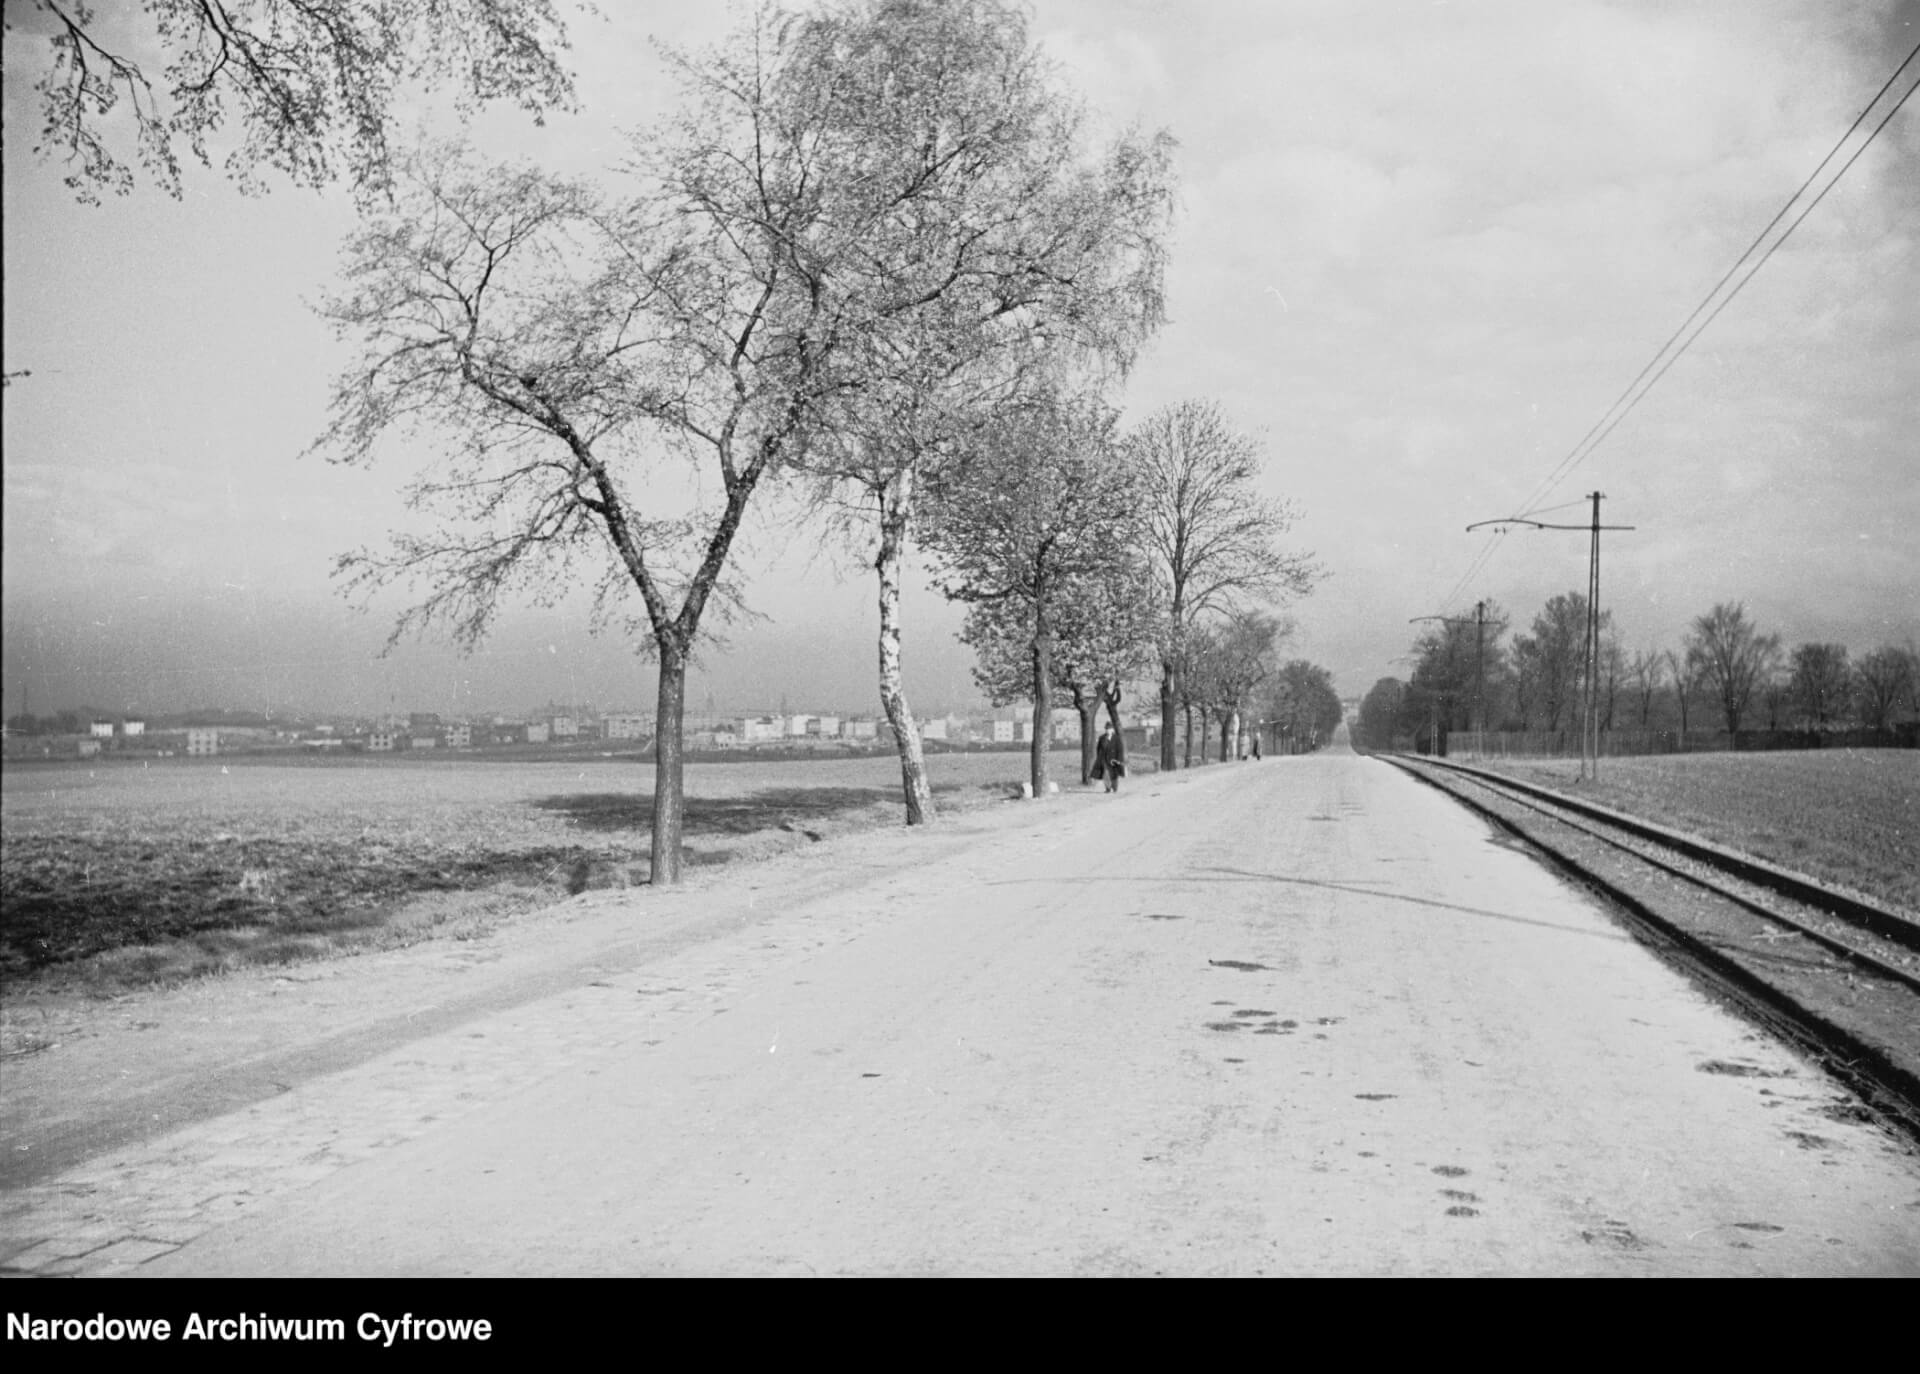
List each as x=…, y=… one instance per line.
x=1423, y=246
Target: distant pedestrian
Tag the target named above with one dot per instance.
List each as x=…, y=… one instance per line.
x=1110, y=757
x=1256, y=746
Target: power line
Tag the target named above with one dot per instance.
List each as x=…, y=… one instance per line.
x=1785, y=234
x=1593, y=437
x=1667, y=354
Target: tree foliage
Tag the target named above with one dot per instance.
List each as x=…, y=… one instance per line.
x=1380, y=714
x=1010, y=246
x=1105, y=625
x=1305, y=706
x=1036, y=508
x=1458, y=665
x=308, y=84
x=1229, y=659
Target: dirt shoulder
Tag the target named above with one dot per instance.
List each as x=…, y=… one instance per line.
x=108, y=1072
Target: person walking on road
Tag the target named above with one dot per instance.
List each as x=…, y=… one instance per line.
x=1110, y=757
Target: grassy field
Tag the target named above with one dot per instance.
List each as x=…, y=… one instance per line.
x=1848, y=816
x=125, y=873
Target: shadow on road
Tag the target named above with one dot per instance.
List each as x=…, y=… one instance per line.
x=1239, y=875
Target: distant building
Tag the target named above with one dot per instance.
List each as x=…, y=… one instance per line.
x=934, y=729
x=88, y=747
x=509, y=732
x=797, y=725
x=562, y=727
x=458, y=735
x=423, y=723
x=423, y=741
x=759, y=729
x=101, y=729
x=826, y=727
x=1003, y=732
x=203, y=742
x=538, y=732
x=856, y=729
x=626, y=725
x=379, y=742
x=133, y=729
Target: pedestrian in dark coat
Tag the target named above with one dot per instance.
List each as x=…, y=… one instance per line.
x=1110, y=757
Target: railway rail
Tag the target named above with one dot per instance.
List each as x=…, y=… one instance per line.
x=1833, y=971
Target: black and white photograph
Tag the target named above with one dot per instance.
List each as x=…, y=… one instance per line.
x=952, y=638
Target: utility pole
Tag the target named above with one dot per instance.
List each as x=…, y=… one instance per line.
x=1480, y=677
x=1590, y=718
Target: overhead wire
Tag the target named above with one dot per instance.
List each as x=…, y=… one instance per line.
x=1593, y=437
x=1667, y=354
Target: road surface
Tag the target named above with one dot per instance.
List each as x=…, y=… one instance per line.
x=1301, y=1016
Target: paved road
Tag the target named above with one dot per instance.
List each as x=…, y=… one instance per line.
x=1297, y=1017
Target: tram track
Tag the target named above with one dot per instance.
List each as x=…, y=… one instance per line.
x=1834, y=972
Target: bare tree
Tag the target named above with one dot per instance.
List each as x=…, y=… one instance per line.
x=1731, y=657
x=1883, y=682
x=1820, y=684
x=1776, y=697
x=1215, y=543
x=1644, y=671
x=1556, y=651
x=1529, y=671
x=566, y=345
x=1685, y=674
x=1610, y=672
x=309, y=84
x=1234, y=656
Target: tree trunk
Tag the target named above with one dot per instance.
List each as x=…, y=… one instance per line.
x=895, y=508
x=1226, y=736
x=1088, y=709
x=1168, y=723
x=669, y=776
x=1187, y=761
x=1110, y=693
x=1042, y=694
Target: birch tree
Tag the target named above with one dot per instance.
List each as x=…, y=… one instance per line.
x=1009, y=242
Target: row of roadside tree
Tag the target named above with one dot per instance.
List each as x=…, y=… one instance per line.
x=877, y=260
x=878, y=263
